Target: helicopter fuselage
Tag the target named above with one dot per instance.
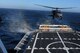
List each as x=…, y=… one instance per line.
x=57, y=14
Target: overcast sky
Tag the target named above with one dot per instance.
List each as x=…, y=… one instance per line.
x=29, y=4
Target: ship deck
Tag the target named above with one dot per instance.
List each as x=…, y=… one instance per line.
x=54, y=43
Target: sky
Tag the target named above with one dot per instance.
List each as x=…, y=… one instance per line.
x=29, y=4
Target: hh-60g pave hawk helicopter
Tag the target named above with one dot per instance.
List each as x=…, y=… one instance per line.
x=56, y=12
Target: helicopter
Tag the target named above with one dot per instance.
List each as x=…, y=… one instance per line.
x=56, y=11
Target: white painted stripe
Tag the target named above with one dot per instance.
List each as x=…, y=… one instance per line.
x=73, y=38
x=65, y=38
x=55, y=38
x=32, y=38
x=35, y=48
x=78, y=39
x=46, y=38
x=51, y=38
x=78, y=34
x=42, y=38
x=77, y=48
x=65, y=48
x=28, y=48
x=38, y=38
x=53, y=48
x=41, y=48
x=34, y=43
x=69, y=38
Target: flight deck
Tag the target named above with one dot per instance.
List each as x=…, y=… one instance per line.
x=45, y=42
x=51, y=39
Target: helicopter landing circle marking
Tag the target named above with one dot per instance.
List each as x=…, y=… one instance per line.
x=47, y=48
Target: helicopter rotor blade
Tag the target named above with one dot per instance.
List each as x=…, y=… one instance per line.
x=45, y=6
x=67, y=8
x=54, y=7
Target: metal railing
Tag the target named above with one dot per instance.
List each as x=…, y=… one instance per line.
x=21, y=46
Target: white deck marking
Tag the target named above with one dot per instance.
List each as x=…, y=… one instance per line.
x=32, y=38
x=70, y=48
x=65, y=38
x=78, y=35
x=58, y=38
x=78, y=39
x=73, y=39
x=33, y=35
x=41, y=48
x=65, y=48
x=55, y=38
x=51, y=38
x=35, y=48
x=28, y=48
x=53, y=48
x=69, y=38
x=42, y=38
x=46, y=38
x=34, y=43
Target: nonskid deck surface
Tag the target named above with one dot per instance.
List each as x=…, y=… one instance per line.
x=54, y=43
